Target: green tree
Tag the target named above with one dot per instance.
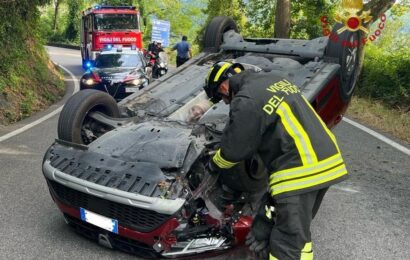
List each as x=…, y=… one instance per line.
x=235, y=9
x=73, y=20
x=261, y=18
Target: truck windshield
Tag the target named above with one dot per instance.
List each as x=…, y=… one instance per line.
x=116, y=22
x=118, y=60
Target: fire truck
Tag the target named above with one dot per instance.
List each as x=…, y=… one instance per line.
x=105, y=26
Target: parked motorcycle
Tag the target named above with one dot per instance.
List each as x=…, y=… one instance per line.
x=159, y=63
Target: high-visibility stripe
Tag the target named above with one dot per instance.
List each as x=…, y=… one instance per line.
x=306, y=256
x=299, y=135
x=306, y=170
x=221, y=70
x=307, y=253
x=308, y=247
x=312, y=177
x=331, y=135
x=221, y=162
x=307, y=182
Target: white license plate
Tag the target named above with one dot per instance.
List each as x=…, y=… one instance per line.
x=131, y=90
x=99, y=221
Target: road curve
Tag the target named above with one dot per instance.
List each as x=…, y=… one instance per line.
x=365, y=217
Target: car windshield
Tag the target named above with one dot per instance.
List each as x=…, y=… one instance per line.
x=118, y=60
x=116, y=22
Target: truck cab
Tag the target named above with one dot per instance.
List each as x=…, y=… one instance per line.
x=103, y=25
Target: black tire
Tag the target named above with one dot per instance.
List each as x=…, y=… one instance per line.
x=349, y=58
x=213, y=37
x=247, y=176
x=73, y=117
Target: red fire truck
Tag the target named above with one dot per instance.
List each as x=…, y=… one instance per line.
x=103, y=26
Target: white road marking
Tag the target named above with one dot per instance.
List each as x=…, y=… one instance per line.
x=346, y=189
x=378, y=136
x=44, y=118
x=8, y=151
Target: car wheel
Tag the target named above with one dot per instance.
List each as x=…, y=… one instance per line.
x=347, y=51
x=74, y=124
x=213, y=37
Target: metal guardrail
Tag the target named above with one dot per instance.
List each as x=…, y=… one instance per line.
x=64, y=45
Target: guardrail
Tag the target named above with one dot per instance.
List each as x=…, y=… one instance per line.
x=64, y=45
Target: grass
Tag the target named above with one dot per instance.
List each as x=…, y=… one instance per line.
x=30, y=84
x=380, y=117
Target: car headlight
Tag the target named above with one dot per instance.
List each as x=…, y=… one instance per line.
x=89, y=81
x=135, y=82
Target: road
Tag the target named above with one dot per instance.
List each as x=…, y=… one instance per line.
x=365, y=217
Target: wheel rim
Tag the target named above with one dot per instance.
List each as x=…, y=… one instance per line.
x=350, y=64
x=351, y=57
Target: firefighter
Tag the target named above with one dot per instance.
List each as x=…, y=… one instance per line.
x=269, y=116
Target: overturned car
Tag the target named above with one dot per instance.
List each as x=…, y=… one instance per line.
x=132, y=175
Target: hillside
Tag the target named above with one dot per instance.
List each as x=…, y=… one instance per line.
x=28, y=80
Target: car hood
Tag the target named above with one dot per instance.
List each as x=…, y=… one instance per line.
x=115, y=75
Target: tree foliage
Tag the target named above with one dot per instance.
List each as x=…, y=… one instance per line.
x=25, y=80
x=73, y=20
x=261, y=18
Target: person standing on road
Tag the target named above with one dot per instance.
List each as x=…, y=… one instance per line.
x=184, y=52
x=269, y=116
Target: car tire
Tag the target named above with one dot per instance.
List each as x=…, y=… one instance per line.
x=73, y=117
x=248, y=176
x=349, y=58
x=213, y=37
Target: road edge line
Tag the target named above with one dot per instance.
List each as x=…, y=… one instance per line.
x=43, y=118
x=378, y=136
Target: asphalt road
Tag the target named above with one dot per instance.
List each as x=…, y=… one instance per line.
x=365, y=217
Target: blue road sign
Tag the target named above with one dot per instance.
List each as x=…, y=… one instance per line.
x=160, y=31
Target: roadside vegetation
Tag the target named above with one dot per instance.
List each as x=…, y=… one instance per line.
x=382, y=97
x=28, y=81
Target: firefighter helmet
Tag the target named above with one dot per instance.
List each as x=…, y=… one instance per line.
x=220, y=72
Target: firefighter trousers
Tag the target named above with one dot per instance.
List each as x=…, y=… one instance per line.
x=290, y=237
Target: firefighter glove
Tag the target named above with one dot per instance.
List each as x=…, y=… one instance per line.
x=259, y=247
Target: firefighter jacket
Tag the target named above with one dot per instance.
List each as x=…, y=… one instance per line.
x=269, y=116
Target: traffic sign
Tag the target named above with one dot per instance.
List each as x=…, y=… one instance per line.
x=160, y=31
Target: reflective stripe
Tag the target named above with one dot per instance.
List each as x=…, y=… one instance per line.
x=331, y=135
x=221, y=162
x=306, y=256
x=221, y=70
x=268, y=211
x=307, y=253
x=306, y=170
x=299, y=135
x=271, y=257
x=307, y=182
x=308, y=247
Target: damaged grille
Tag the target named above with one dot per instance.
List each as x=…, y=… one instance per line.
x=142, y=220
x=122, y=243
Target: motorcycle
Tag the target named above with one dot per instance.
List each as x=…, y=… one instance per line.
x=159, y=64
